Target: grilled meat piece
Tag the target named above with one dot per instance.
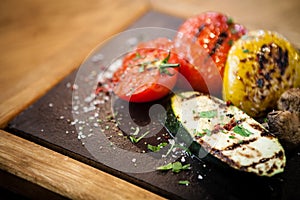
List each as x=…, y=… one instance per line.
x=290, y=100
x=286, y=126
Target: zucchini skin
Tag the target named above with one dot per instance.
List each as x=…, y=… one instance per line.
x=216, y=155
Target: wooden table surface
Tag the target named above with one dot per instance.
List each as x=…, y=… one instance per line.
x=43, y=41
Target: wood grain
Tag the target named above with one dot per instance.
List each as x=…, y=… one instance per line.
x=43, y=41
x=62, y=174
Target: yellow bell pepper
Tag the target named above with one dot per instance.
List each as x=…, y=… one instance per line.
x=260, y=66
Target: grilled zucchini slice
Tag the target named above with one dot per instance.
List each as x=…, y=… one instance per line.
x=227, y=133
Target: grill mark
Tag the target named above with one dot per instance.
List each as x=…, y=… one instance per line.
x=264, y=160
x=237, y=145
x=218, y=154
x=257, y=127
x=191, y=97
x=218, y=43
x=264, y=133
x=197, y=34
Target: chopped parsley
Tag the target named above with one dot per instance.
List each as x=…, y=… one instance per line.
x=207, y=132
x=208, y=114
x=242, y=131
x=137, y=56
x=230, y=42
x=136, y=140
x=198, y=134
x=229, y=21
x=184, y=182
x=201, y=134
x=158, y=147
x=246, y=51
x=176, y=167
x=231, y=137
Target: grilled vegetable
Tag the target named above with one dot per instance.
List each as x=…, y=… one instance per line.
x=259, y=68
x=204, y=40
x=147, y=73
x=227, y=133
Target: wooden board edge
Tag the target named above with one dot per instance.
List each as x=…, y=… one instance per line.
x=62, y=174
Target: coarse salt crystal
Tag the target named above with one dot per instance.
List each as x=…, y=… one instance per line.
x=96, y=125
x=68, y=85
x=200, y=176
x=182, y=159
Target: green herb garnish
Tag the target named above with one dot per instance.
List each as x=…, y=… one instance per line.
x=242, y=131
x=184, y=182
x=208, y=114
x=136, y=140
x=229, y=21
x=207, y=132
x=176, y=167
x=231, y=137
x=163, y=67
x=198, y=134
x=246, y=51
x=137, y=56
x=158, y=147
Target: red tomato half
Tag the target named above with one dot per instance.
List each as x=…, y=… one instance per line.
x=204, y=41
x=148, y=73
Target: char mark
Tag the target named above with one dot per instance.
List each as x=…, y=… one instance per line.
x=200, y=29
x=218, y=43
x=237, y=145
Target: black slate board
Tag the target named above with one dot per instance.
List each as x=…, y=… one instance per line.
x=53, y=121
